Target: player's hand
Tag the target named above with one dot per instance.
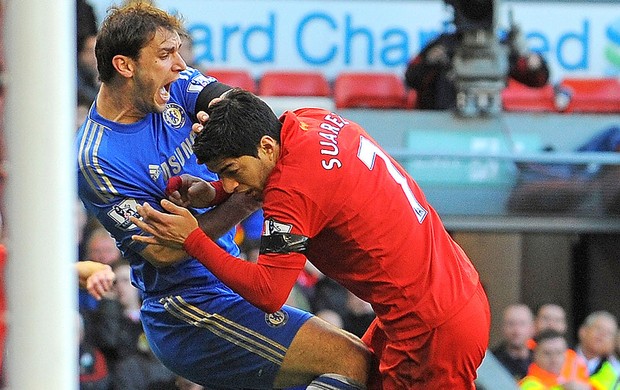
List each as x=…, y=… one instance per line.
x=167, y=229
x=189, y=191
x=97, y=278
x=100, y=283
x=203, y=117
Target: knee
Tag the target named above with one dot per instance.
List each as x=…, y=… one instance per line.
x=321, y=348
x=350, y=356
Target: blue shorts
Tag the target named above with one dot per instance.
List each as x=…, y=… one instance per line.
x=215, y=338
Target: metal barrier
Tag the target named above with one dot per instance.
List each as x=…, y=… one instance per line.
x=543, y=191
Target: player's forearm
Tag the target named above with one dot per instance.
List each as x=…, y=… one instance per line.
x=87, y=268
x=221, y=219
x=265, y=287
x=161, y=256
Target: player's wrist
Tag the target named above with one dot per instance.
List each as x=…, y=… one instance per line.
x=220, y=194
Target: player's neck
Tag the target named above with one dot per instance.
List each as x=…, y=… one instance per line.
x=113, y=104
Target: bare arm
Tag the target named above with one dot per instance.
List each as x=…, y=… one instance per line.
x=162, y=256
x=266, y=283
x=214, y=223
x=224, y=217
x=97, y=278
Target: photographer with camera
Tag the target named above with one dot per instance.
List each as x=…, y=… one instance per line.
x=472, y=59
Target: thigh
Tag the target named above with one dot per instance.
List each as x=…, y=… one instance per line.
x=219, y=340
x=320, y=347
x=447, y=357
x=375, y=339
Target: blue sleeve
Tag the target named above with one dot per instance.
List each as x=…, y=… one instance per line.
x=189, y=86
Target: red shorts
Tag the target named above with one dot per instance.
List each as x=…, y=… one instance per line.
x=447, y=357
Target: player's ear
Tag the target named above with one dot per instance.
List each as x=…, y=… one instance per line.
x=268, y=145
x=123, y=65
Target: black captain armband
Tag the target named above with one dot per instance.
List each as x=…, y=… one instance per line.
x=210, y=92
x=283, y=243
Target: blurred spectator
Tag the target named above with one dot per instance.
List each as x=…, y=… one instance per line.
x=551, y=316
x=597, y=337
x=517, y=329
x=94, y=373
x=101, y=247
x=81, y=219
x=329, y=300
x=251, y=229
x=85, y=18
x=87, y=76
x=335, y=304
x=546, y=370
x=117, y=331
x=98, y=246
x=80, y=114
x=563, y=187
x=358, y=315
x=431, y=75
x=86, y=30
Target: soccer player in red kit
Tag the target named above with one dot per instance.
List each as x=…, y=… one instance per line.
x=333, y=196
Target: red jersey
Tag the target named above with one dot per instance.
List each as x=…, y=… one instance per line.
x=369, y=224
x=369, y=228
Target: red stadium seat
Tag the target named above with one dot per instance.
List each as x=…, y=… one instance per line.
x=412, y=98
x=370, y=90
x=594, y=95
x=279, y=83
x=234, y=78
x=520, y=97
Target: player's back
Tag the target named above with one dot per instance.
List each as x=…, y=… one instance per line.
x=374, y=231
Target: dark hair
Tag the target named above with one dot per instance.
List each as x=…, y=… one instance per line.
x=548, y=334
x=126, y=30
x=235, y=127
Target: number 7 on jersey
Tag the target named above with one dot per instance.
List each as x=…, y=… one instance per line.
x=367, y=153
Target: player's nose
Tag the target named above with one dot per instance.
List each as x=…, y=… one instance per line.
x=229, y=184
x=179, y=62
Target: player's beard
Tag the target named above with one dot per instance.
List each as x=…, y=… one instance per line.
x=144, y=95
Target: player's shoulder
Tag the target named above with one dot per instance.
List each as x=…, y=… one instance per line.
x=192, y=81
x=310, y=113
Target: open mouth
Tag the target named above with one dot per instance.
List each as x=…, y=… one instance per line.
x=164, y=92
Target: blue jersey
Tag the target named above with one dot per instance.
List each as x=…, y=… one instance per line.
x=198, y=327
x=123, y=165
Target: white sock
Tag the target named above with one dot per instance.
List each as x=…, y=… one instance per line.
x=334, y=382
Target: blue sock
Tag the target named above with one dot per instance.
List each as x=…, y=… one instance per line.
x=334, y=382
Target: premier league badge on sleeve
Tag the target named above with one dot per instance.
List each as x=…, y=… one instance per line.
x=122, y=211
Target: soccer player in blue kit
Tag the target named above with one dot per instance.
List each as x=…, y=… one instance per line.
x=136, y=136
